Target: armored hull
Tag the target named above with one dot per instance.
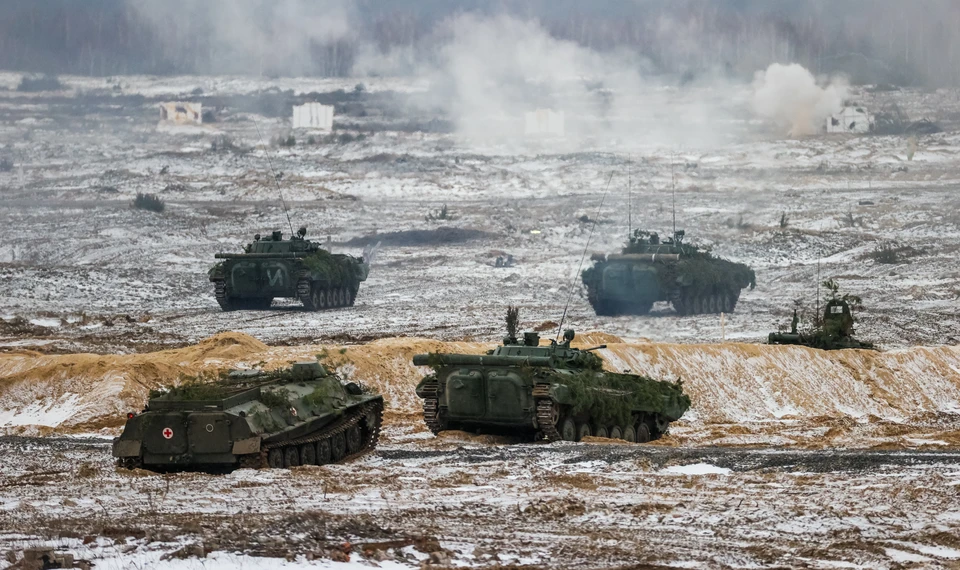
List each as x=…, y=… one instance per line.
x=299, y=416
x=648, y=270
x=295, y=268
x=544, y=392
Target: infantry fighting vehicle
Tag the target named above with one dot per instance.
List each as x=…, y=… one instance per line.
x=302, y=415
x=649, y=270
x=297, y=267
x=552, y=392
x=833, y=332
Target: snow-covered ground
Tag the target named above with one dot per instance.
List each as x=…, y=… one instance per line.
x=81, y=270
x=458, y=502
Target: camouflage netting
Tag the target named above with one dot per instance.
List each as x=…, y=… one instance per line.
x=699, y=272
x=329, y=265
x=609, y=399
x=706, y=274
x=204, y=386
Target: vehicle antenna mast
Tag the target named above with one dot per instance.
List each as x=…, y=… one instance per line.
x=673, y=192
x=583, y=256
x=275, y=180
x=816, y=317
x=629, y=209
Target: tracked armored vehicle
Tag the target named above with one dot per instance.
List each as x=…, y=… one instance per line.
x=302, y=415
x=295, y=268
x=649, y=270
x=550, y=393
x=834, y=331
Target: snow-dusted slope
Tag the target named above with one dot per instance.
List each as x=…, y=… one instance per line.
x=777, y=394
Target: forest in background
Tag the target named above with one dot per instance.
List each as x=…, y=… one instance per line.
x=871, y=41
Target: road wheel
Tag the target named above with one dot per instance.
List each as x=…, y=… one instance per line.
x=291, y=456
x=275, y=458
x=583, y=430
x=323, y=451
x=353, y=439
x=568, y=430
x=616, y=432
x=353, y=297
x=643, y=433
x=338, y=447
x=600, y=431
x=630, y=434
x=308, y=454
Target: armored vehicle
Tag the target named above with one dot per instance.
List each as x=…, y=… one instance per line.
x=833, y=332
x=302, y=415
x=649, y=270
x=550, y=392
x=275, y=267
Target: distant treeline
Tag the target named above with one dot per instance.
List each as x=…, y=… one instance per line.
x=873, y=41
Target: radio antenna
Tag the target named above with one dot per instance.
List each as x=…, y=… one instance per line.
x=275, y=180
x=629, y=209
x=816, y=317
x=673, y=192
x=583, y=256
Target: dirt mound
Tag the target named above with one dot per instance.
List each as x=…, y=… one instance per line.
x=742, y=393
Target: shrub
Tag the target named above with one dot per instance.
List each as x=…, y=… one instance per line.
x=42, y=83
x=150, y=202
x=288, y=142
x=6, y=164
x=892, y=252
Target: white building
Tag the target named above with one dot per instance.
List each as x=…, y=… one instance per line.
x=181, y=113
x=543, y=122
x=850, y=120
x=313, y=116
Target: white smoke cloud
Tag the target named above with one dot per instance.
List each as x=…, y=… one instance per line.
x=790, y=96
x=249, y=36
x=491, y=70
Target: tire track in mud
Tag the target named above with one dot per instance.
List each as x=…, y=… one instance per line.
x=735, y=459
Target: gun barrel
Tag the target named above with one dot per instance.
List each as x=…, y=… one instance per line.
x=288, y=255
x=652, y=257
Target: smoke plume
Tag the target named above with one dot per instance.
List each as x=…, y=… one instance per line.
x=790, y=96
x=250, y=36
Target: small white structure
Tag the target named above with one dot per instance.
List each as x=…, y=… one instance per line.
x=313, y=116
x=543, y=122
x=850, y=120
x=180, y=113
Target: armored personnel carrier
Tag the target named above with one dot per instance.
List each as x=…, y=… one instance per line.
x=649, y=270
x=552, y=392
x=297, y=267
x=302, y=415
x=834, y=331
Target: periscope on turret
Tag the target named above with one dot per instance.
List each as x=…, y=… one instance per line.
x=298, y=268
x=649, y=269
x=553, y=392
x=301, y=415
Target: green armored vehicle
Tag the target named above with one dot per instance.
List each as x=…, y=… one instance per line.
x=298, y=268
x=302, y=415
x=649, y=270
x=550, y=392
x=833, y=331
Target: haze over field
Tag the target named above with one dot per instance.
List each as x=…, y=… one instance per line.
x=489, y=148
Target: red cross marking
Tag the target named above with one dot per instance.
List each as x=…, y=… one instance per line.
x=167, y=433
